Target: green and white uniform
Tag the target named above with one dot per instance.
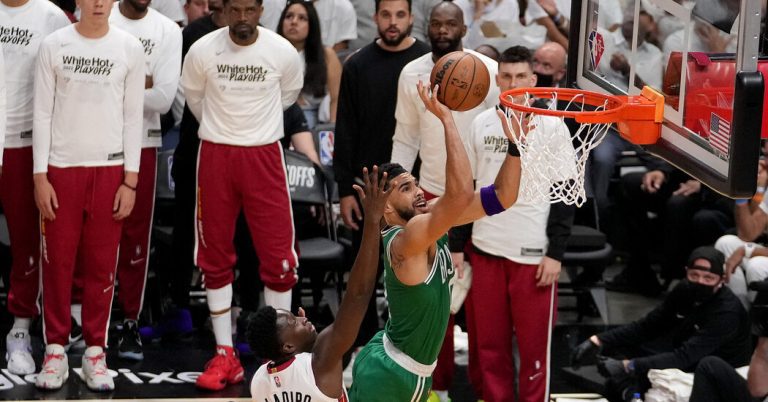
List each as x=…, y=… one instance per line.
x=397, y=364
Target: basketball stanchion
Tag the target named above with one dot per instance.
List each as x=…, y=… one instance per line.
x=554, y=161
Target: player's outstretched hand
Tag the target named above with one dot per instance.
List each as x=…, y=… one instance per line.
x=45, y=197
x=511, y=129
x=432, y=104
x=375, y=194
x=124, y=200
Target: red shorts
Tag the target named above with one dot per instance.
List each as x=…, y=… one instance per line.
x=231, y=178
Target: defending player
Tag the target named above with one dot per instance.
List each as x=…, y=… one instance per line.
x=301, y=360
x=161, y=38
x=89, y=85
x=237, y=82
x=25, y=23
x=418, y=267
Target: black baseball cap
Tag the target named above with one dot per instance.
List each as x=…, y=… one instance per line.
x=716, y=260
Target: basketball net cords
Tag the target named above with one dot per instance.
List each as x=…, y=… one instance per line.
x=553, y=169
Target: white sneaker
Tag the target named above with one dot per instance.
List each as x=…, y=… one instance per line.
x=95, y=373
x=55, y=368
x=19, y=352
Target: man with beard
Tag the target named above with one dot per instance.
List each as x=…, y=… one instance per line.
x=365, y=120
x=419, y=134
x=699, y=317
x=418, y=270
x=161, y=38
x=37, y=18
x=237, y=82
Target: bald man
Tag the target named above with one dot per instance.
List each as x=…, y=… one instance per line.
x=549, y=62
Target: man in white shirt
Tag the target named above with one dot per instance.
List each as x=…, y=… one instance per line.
x=25, y=23
x=515, y=272
x=89, y=84
x=173, y=9
x=161, y=38
x=420, y=133
x=338, y=23
x=237, y=82
x=617, y=57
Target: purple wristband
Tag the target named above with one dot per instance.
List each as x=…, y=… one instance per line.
x=490, y=200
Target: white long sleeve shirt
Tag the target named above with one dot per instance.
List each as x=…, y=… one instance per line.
x=419, y=132
x=22, y=30
x=161, y=38
x=238, y=93
x=88, y=100
x=527, y=243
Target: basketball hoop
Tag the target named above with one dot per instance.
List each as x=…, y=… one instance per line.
x=554, y=159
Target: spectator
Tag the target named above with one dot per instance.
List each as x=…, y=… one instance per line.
x=698, y=318
x=162, y=48
x=366, y=117
x=489, y=51
x=691, y=215
x=86, y=153
x=241, y=120
x=338, y=23
x=616, y=59
x=503, y=24
x=515, y=273
x=549, y=65
x=419, y=133
x=17, y=192
x=195, y=9
x=322, y=69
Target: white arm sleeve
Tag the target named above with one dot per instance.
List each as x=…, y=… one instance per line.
x=45, y=90
x=193, y=82
x=165, y=75
x=133, y=109
x=291, y=81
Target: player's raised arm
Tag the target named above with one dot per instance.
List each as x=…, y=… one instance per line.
x=336, y=340
x=423, y=230
x=503, y=192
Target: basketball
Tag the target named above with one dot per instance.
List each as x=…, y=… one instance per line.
x=463, y=80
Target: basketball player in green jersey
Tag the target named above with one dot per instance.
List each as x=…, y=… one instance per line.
x=397, y=364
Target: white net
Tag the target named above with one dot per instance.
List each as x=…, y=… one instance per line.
x=554, y=159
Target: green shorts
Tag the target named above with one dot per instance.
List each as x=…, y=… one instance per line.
x=376, y=377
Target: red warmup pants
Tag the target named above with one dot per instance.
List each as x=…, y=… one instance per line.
x=83, y=224
x=231, y=178
x=442, y=377
x=17, y=195
x=134, y=244
x=503, y=302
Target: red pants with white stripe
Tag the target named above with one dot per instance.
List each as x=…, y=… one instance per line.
x=504, y=302
x=83, y=224
x=134, y=244
x=231, y=178
x=17, y=194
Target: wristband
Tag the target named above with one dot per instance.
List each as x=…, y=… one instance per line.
x=556, y=18
x=128, y=186
x=749, y=248
x=741, y=201
x=513, y=150
x=490, y=201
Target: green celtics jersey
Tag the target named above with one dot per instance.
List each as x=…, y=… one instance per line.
x=418, y=315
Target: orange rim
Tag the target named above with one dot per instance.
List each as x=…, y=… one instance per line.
x=613, y=104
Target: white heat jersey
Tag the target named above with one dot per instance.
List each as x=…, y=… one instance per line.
x=527, y=244
x=161, y=38
x=419, y=132
x=238, y=93
x=88, y=100
x=22, y=30
x=292, y=381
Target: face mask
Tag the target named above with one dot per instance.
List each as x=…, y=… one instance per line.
x=544, y=80
x=698, y=292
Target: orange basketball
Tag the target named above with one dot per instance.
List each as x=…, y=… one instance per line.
x=463, y=80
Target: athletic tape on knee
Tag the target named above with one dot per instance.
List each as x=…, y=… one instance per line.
x=490, y=200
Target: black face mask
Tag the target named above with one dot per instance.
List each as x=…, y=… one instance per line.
x=697, y=292
x=544, y=80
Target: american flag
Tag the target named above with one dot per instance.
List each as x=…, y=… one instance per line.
x=719, y=134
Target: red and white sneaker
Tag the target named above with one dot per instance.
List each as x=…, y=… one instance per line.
x=95, y=372
x=223, y=369
x=55, y=368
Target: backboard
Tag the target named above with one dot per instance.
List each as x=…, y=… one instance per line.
x=703, y=57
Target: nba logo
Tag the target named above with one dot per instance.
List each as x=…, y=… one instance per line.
x=326, y=147
x=596, y=48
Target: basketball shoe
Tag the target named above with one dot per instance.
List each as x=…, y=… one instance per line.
x=95, y=373
x=55, y=368
x=19, y=352
x=223, y=369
